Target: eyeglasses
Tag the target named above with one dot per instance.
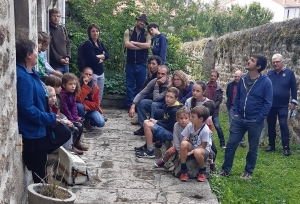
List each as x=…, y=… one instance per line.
x=276, y=62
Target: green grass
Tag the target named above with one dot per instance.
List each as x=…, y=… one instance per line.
x=276, y=178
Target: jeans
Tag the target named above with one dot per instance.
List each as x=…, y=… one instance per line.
x=264, y=132
x=237, y=130
x=162, y=133
x=157, y=107
x=96, y=119
x=143, y=107
x=282, y=113
x=135, y=77
x=63, y=69
x=230, y=116
x=216, y=122
x=99, y=80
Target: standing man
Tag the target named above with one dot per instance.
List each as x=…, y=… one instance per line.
x=159, y=42
x=252, y=103
x=60, y=49
x=284, y=83
x=230, y=93
x=137, y=41
x=215, y=93
x=157, y=87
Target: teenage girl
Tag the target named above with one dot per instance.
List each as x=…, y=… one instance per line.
x=55, y=83
x=70, y=87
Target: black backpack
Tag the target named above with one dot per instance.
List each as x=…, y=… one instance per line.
x=80, y=59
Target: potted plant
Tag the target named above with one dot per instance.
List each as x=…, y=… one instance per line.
x=49, y=193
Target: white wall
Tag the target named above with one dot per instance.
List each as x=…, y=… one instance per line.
x=290, y=13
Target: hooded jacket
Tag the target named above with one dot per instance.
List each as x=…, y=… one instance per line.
x=255, y=104
x=169, y=119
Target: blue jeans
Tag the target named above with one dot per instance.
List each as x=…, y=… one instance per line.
x=143, y=107
x=282, y=113
x=162, y=133
x=99, y=80
x=216, y=122
x=230, y=116
x=63, y=69
x=237, y=130
x=96, y=119
x=135, y=77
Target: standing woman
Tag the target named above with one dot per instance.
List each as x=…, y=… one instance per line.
x=32, y=109
x=94, y=53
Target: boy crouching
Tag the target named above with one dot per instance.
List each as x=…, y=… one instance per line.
x=160, y=129
x=196, y=140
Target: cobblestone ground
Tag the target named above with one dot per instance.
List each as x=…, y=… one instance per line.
x=118, y=176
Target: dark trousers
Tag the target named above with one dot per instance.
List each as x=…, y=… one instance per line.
x=36, y=162
x=282, y=113
x=215, y=119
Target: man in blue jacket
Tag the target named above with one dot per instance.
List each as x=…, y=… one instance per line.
x=252, y=103
x=284, y=83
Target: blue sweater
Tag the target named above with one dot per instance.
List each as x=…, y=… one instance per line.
x=283, y=83
x=160, y=46
x=31, y=103
x=256, y=104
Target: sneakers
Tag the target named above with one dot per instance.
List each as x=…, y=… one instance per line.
x=286, y=151
x=140, y=149
x=243, y=145
x=139, y=132
x=246, y=176
x=223, y=173
x=223, y=146
x=262, y=144
x=145, y=154
x=270, y=149
x=201, y=177
x=159, y=163
x=213, y=167
x=184, y=177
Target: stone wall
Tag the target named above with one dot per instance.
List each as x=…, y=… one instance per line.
x=11, y=168
x=232, y=51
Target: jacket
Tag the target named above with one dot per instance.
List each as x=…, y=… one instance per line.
x=169, y=119
x=284, y=84
x=90, y=102
x=89, y=52
x=186, y=93
x=160, y=46
x=159, y=92
x=59, y=46
x=229, y=93
x=31, y=104
x=255, y=104
x=217, y=98
x=69, y=107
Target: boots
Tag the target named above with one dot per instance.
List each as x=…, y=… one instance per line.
x=77, y=151
x=80, y=146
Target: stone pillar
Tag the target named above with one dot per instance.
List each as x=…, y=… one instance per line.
x=11, y=168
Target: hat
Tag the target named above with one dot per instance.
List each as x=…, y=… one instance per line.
x=143, y=17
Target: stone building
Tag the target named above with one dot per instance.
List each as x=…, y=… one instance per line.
x=18, y=19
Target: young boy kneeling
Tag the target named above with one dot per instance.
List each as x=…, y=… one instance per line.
x=197, y=141
x=161, y=129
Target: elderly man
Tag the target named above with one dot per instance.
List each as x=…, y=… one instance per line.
x=137, y=41
x=230, y=93
x=284, y=83
x=214, y=92
x=158, y=88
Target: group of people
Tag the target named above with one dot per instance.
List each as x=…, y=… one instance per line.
x=177, y=113
x=52, y=95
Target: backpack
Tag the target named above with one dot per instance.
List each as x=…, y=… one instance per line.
x=80, y=59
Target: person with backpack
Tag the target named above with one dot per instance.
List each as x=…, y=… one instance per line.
x=60, y=48
x=92, y=54
x=137, y=41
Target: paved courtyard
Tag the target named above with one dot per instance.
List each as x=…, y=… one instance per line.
x=118, y=176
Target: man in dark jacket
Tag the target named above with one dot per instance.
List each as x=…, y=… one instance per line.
x=160, y=129
x=137, y=41
x=230, y=93
x=60, y=48
x=284, y=83
x=252, y=103
x=214, y=92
